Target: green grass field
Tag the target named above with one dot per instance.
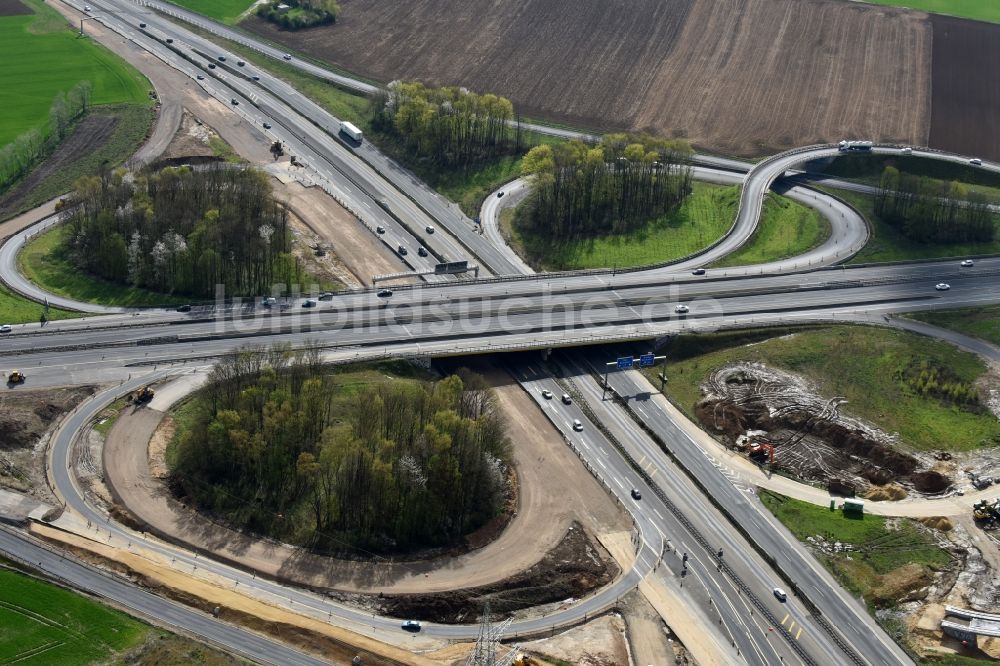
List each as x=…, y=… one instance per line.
x=981, y=10
x=15, y=309
x=858, y=362
x=42, y=56
x=226, y=11
x=787, y=229
x=981, y=322
x=888, y=244
x=882, y=548
x=41, y=624
x=40, y=261
x=703, y=217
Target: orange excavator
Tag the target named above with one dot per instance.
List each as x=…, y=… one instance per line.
x=760, y=449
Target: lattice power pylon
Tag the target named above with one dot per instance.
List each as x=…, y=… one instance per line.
x=488, y=643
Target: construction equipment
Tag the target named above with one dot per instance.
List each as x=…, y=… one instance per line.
x=15, y=377
x=145, y=394
x=986, y=510
x=760, y=449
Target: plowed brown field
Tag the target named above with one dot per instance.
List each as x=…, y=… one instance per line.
x=738, y=76
x=965, y=115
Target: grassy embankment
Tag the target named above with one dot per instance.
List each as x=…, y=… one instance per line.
x=981, y=10
x=227, y=11
x=43, y=262
x=890, y=558
x=787, y=229
x=887, y=243
x=864, y=364
x=15, y=309
x=981, y=322
x=62, y=627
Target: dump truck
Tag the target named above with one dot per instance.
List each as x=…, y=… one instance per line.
x=15, y=377
x=145, y=394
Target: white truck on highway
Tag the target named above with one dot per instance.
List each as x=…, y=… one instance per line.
x=351, y=131
x=855, y=146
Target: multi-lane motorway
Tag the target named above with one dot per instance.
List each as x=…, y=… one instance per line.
x=523, y=312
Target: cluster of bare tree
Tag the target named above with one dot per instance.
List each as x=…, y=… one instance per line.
x=18, y=156
x=279, y=448
x=932, y=211
x=581, y=191
x=296, y=14
x=182, y=231
x=452, y=126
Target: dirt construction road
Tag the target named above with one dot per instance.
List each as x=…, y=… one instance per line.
x=555, y=490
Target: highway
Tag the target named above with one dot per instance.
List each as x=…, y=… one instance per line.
x=520, y=311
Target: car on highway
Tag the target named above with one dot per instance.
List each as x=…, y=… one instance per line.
x=636, y=494
x=975, y=161
x=968, y=263
x=402, y=251
x=942, y=286
x=184, y=308
x=86, y=8
x=240, y=63
x=142, y=25
x=682, y=309
x=267, y=125
x=5, y=328
x=326, y=296
x=211, y=65
x=429, y=229
x=577, y=425
x=906, y=151
x=566, y=399
x=268, y=302
x=547, y=394
x=255, y=77
x=234, y=102
x=309, y=303
x=222, y=58
x=499, y=194
x=422, y=251
x=201, y=77
x=384, y=293
x=780, y=594
x=698, y=271
x=287, y=56
x=169, y=40
x=411, y=625
x=380, y=229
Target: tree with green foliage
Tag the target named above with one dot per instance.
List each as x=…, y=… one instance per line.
x=931, y=212
x=397, y=466
x=452, y=127
x=298, y=14
x=182, y=231
x=581, y=191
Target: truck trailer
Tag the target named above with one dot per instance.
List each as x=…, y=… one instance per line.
x=350, y=130
x=855, y=146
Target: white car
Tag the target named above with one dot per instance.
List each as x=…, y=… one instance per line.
x=86, y=8
x=547, y=394
x=681, y=309
x=907, y=151
x=5, y=328
x=975, y=161
x=968, y=263
x=567, y=400
x=942, y=286
x=287, y=56
x=577, y=425
x=780, y=594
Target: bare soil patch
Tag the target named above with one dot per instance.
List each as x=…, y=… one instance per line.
x=965, y=106
x=714, y=71
x=89, y=134
x=190, y=143
x=13, y=8
x=576, y=566
x=812, y=439
x=25, y=418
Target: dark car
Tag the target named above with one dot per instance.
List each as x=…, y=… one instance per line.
x=255, y=77
x=184, y=308
x=142, y=25
x=235, y=102
x=201, y=78
x=402, y=251
x=385, y=293
x=240, y=63
x=411, y=625
x=211, y=65
x=636, y=494
x=422, y=251
x=326, y=296
x=499, y=194
x=267, y=125
x=309, y=303
x=170, y=40
x=222, y=58
x=698, y=271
